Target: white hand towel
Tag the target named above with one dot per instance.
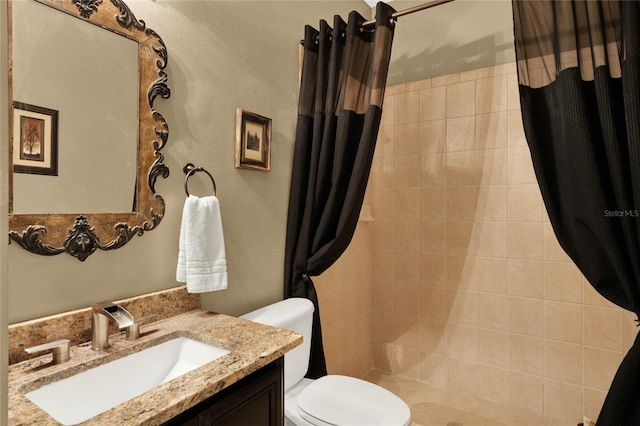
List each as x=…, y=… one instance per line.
x=202, y=262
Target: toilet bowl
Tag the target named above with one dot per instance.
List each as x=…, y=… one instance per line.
x=331, y=400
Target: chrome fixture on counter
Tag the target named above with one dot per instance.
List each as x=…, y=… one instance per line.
x=60, y=350
x=101, y=314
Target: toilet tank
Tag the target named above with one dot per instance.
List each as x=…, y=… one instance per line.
x=294, y=314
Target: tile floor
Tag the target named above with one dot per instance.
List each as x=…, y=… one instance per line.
x=439, y=407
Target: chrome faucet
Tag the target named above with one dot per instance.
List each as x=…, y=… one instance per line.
x=101, y=314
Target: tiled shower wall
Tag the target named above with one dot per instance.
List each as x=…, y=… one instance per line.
x=470, y=290
x=344, y=294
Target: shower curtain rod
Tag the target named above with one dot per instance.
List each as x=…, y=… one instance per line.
x=409, y=10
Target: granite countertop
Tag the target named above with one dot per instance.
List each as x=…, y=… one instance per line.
x=252, y=347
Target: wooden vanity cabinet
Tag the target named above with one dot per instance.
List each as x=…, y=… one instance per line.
x=256, y=400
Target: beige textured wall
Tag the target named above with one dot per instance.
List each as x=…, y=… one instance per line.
x=471, y=290
x=4, y=208
x=452, y=37
x=222, y=55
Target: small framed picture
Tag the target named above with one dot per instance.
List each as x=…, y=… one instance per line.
x=253, y=141
x=35, y=140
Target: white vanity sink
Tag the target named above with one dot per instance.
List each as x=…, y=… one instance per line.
x=87, y=394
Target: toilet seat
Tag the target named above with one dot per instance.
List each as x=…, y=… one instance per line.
x=346, y=401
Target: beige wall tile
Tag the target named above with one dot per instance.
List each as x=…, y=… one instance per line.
x=382, y=296
x=600, y=365
x=405, y=108
x=493, y=348
x=431, y=137
x=513, y=92
x=525, y=278
x=433, y=270
x=405, y=172
x=433, y=370
x=381, y=203
x=405, y=331
x=525, y=316
x=526, y=354
x=492, y=383
x=431, y=337
x=418, y=85
x=406, y=267
x=433, y=303
x=461, y=376
x=563, y=401
x=526, y=391
x=406, y=204
x=405, y=140
x=380, y=358
x=395, y=89
x=406, y=235
x=444, y=80
x=432, y=104
x=563, y=321
x=516, y=129
x=461, y=203
x=387, y=110
x=433, y=203
x=525, y=240
x=491, y=275
x=461, y=99
x=492, y=130
x=552, y=249
x=382, y=265
x=403, y=361
x=462, y=307
x=491, y=94
x=493, y=311
x=492, y=203
x=460, y=168
x=383, y=330
x=381, y=173
x=382, y=235
x=384, y=143
x=461, y=342
x=432, y=170
x=563, y=361
x=525, y=203
x=460, y=272
x=461, y=238
x=491, y=167
x=520, y=166
x=476, y=74
x=491, y=239
x=406, y=300
x=461, y=134
x=562, y=281
x=433, y=237
x=593, y=400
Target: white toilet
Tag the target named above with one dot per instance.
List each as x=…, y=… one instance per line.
x=330, y=400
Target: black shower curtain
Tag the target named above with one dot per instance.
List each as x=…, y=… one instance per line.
x=579, y=72
x=344, y=74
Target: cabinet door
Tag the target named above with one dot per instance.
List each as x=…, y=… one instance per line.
x=256, y=400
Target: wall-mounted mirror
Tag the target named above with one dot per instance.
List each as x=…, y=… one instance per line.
x=85, y=141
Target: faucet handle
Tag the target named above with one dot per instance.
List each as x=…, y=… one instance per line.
x=60, y=350
x=133, y=331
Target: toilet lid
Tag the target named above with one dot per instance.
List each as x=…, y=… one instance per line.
x=341, y=400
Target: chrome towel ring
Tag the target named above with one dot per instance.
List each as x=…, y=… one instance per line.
x=189, y=170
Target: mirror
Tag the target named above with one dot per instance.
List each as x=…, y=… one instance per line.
x=83, y=108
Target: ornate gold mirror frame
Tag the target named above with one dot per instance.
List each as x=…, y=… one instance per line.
x=80, y=235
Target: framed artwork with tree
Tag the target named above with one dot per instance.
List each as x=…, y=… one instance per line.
x=35, y=140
